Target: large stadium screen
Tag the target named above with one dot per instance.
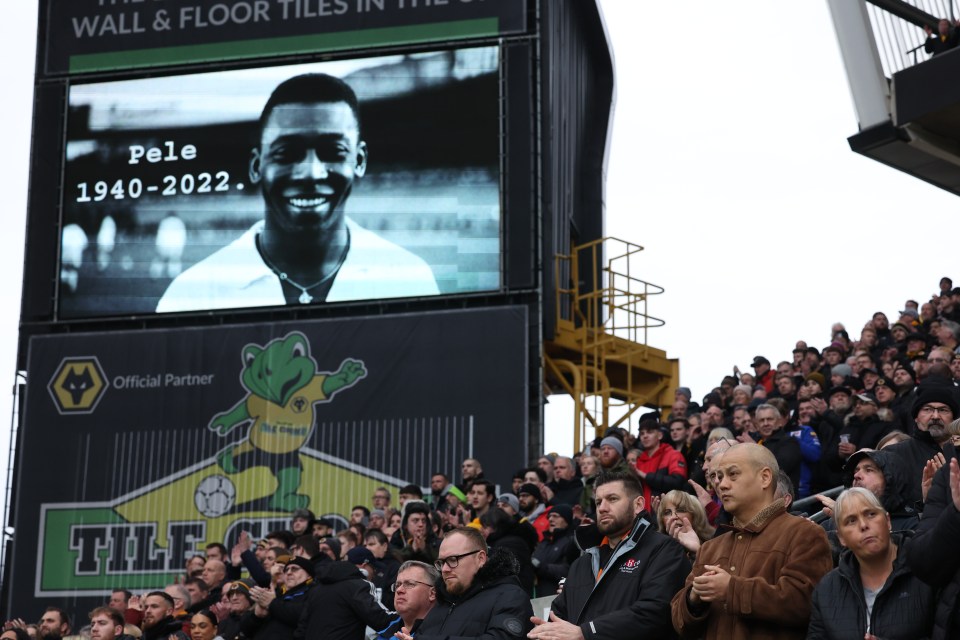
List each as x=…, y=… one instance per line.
x=364, y=179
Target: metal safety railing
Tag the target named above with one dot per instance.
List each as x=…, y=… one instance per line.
x=612, y=301
x=604, y=307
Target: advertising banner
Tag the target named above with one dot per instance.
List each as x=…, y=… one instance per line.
x=140, y=448
x=98, y=35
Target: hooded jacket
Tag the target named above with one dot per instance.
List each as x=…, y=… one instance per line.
x=341, y=605
x=495, y=607
x=895, y=499
x=631, y=598
x=903, y=609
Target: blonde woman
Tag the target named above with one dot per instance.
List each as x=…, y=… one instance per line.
x=681, y=516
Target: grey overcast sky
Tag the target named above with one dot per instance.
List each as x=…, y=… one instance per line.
x=728, y=163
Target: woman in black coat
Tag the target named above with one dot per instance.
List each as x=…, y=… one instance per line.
x=873, y=593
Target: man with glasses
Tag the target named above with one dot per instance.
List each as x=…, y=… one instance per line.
x=381, y=498
x=480, y=593
x=622, y=587
x=934, y=408
x=415, y=593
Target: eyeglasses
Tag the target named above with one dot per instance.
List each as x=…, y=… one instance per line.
x=938, y=410
x=453, y=561
x=407, y=584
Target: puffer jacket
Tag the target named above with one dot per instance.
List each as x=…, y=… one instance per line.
x=495, y=607
x=903, y=609
x=520, y=538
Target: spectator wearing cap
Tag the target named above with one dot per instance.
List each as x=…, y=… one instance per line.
x=276, y=612
x=532, y=508
x=934, y=408
x=814, y=384
x=763, y=374
x=378, y=519
x=554, y=554
x=330, y=547
x=687, y=396
x=661, y=468
x=239, y=601
x=831, y=422
x=611, y=454
x=916, y=345
x=905, y=381
x=301, y=521
x=503, y=531
x=869, y=377
x=322, y=528
x=839, y=374
x=898, y=335
x=862, y=431
x=891, y=406
x=832, y=356
x=509, y=503
x=364, y=560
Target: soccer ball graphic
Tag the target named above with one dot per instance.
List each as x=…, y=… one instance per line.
x=214, y=496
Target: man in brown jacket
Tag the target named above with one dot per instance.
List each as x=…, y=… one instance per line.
x=754, y=581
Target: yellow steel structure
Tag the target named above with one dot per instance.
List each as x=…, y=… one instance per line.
x=600, y=354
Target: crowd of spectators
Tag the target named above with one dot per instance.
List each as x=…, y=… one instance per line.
x=818, y=497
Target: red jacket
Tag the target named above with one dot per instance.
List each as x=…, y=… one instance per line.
x=666, y=470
